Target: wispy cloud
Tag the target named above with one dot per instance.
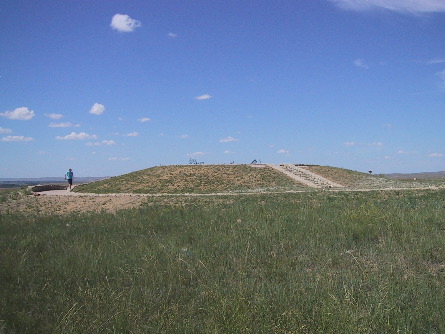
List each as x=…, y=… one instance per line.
x=353, y=143
x=9, y=139
x=97, y=109
x=124, y=23
x=102, y=143
x=4, y=130
x=283, y=151
x=62, y=125
x=172, y=35
x=228, y=140
x=436, y=155
x=21, y=114
x=77, y=136
x=361, y=63
x=196, y=154
x=228, y=152
x=376, y=144
x=54, y=116
x=401, y=6
x=118, y=159
x=144, y=119
x=184, y=136
x=441, y=75
x=132, y=134
x=203, y=97
x=436, y=61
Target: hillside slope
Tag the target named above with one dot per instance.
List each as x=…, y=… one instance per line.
x=195, y=179
x=206, y=179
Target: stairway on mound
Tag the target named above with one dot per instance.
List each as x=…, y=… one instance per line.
x=311, y=179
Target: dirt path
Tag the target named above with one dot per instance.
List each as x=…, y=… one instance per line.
x=305, y=176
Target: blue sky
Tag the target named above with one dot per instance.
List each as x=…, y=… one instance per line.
x=110, y=87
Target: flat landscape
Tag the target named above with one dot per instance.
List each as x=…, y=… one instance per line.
x=225, y=249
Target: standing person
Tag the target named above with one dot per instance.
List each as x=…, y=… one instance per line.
x=69, y=177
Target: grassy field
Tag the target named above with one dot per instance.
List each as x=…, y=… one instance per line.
x=315, y=262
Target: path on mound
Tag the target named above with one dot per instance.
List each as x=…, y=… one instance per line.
x=303, y=175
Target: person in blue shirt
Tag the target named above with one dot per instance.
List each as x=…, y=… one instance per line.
x=69, y=177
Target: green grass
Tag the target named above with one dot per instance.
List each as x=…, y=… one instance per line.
x=292, y=263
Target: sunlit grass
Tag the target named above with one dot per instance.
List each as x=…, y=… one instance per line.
x=293, y=263
x=195, y=179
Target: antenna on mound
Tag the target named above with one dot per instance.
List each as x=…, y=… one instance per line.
x=195, y=162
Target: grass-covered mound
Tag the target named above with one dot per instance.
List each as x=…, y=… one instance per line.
x=195, y=179
x=357, y=180
x=319, y=262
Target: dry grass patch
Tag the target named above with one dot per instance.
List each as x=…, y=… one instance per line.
x=194, y=179
x=358, y=180
x=59, y=205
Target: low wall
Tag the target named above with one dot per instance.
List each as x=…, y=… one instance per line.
x=46, y=187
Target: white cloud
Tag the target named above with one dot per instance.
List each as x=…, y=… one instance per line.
x=16, y=139
x=360, y=63
x=97, y=109
x=401, y=152
x=77, y=136
x=376, y=144
x=203, y=97
x=403, y=6
x=436, y=155
x=62, y=125
x=132, y=134
x=172, y=35
x=101, y=143
x=124, y=23
x=436, y=61
x=21, y=114
x=118, y=159
x=282, y=151
x=196, y=154
x=4, y=130
x=228, y=140
x=108, y=142
x=54, y=116
x=144, y=119
x=184, y=136
x=349, y=143
x=228, y=152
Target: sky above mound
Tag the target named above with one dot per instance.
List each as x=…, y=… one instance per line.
x=109, y=87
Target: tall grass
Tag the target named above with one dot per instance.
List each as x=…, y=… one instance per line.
x=293, y=263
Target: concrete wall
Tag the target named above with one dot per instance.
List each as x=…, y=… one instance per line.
x=47, y=187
